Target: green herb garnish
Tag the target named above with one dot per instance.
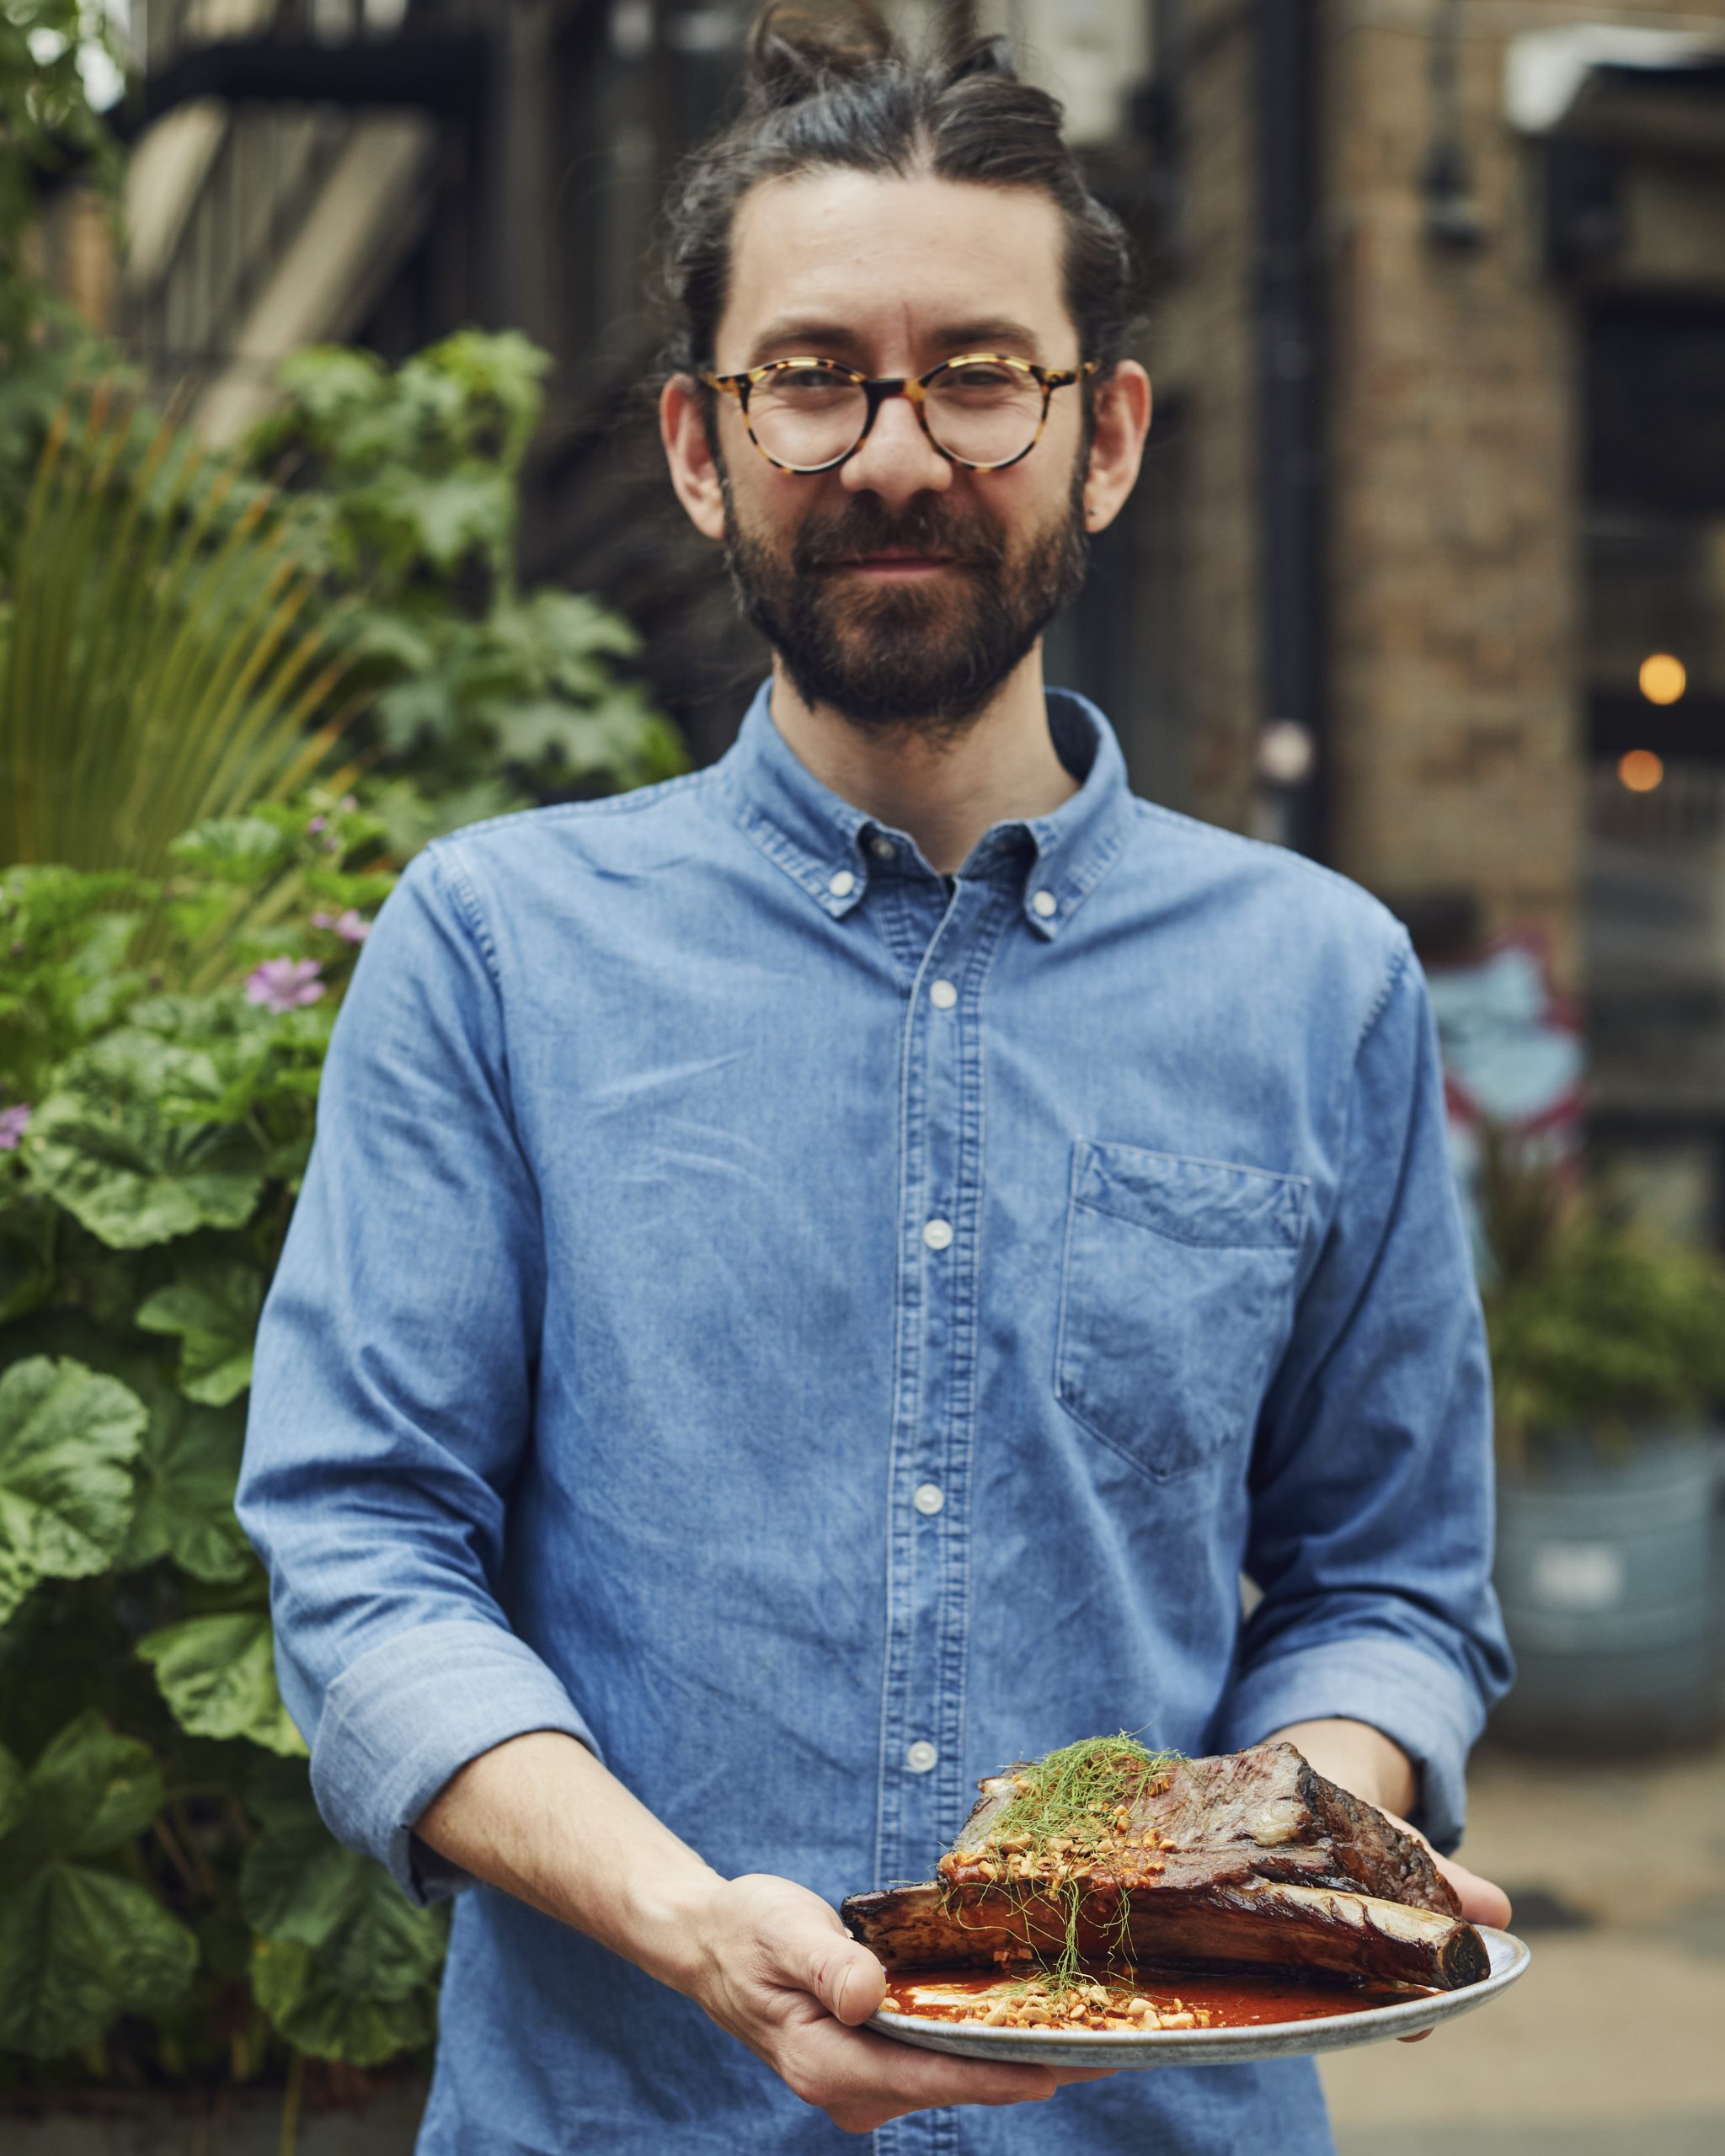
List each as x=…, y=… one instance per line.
x=1072, y=1796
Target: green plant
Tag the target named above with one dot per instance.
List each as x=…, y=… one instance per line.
x=171, y=1907
x=156, y=665
x=489, y=697
x=1598, y=1330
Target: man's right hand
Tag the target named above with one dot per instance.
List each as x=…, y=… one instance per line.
x=539, y=1818
x=773, y=1965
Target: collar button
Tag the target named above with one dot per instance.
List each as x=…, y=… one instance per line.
x=842, y=885
x=1044, y=903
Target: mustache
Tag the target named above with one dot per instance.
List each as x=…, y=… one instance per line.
x=864, y=526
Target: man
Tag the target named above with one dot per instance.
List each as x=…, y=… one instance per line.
x=816, y=1277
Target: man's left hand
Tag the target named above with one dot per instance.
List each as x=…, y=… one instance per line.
x=1363, y=1761
x=1367, y=1764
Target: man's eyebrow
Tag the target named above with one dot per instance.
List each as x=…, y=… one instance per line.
x=994, y=329
x=820, y=340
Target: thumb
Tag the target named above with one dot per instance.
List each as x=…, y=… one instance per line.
x=846, y=1979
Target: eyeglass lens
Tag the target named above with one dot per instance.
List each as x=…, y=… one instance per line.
x=981, y=413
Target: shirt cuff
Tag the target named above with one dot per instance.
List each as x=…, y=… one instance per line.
x=406, y=1715
x=1415, y=1699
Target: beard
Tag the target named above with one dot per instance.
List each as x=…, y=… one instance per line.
x=924, y=657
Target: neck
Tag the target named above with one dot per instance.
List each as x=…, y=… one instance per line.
x=946, y=791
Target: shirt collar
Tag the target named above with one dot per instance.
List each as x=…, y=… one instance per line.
x=830, y=848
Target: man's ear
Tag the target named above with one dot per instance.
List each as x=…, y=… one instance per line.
x=1122, y=409
x=694, y=469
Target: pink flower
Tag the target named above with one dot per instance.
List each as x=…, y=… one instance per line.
x=349, y=802
x=13, y=1122
x=317, y=822
x=351, y=926
x=281, y=983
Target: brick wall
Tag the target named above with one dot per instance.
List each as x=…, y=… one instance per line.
x=1455, y=703
x=1201, y=352
x=1454, y=565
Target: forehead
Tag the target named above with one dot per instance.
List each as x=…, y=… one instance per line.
x=887, y=256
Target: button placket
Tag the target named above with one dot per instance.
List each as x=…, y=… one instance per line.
x=940, y=1208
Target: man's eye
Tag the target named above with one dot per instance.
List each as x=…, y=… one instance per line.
x=806, y=382
x=982, y=378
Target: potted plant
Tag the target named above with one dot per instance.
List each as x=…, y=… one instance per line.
x=1608, y=1353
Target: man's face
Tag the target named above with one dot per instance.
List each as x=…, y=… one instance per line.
x=900, y=587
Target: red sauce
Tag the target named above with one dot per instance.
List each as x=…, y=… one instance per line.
x=1230, y=2001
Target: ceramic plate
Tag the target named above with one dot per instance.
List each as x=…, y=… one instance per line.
x=1334, y=2032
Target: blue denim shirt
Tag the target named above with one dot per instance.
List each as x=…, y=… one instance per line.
x=816, y=1338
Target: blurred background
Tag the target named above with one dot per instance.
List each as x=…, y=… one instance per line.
x=1425, y=577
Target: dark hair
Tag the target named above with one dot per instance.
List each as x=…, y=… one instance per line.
x=836, y=89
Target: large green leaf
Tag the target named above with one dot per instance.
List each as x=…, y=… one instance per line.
x=300, y=1884
x=89, y=1789
x=186, y=1475
x=67, y=1438
x=113, y=1145
x=213, y=1306
x=218, y=1675
x=295, y=1989
x=77, y=1947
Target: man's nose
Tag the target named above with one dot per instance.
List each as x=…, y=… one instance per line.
x=896, y=460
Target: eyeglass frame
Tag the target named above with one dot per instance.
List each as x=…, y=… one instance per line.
x=914, y=387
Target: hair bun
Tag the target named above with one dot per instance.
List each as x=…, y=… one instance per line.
x=794, y=51
x=989, y=56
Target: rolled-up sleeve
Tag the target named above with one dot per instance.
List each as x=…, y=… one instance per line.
x=1372, y=1488
x=392, y=1389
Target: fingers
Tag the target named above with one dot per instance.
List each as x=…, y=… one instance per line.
x=789, y=1980
x=860, y=2081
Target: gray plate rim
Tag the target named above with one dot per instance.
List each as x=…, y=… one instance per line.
x=1510, y=1959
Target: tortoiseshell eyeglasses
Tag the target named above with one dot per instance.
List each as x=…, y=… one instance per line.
x=984, y=410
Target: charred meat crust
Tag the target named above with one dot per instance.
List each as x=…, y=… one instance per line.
x=1249, y=1861
x=1369, y=1850
x=1265, y=1813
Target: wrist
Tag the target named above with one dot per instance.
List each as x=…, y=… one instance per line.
x=667, y=1922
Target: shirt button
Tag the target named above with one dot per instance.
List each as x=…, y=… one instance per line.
x=928, y=1498
x=1043, y=902
x=937, y=1234
x=921, y=1756
x=883, y=849
x=942, y=995
x=842, y=885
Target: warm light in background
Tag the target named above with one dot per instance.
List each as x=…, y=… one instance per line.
x=1641, y=770
x=1663, y=681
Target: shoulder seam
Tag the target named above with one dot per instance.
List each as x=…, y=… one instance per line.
x=445, y=864
x=1401, y=951
x=608, y=804
x=1298, y=862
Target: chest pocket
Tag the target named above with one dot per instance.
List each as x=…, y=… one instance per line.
x=1175, y=1292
